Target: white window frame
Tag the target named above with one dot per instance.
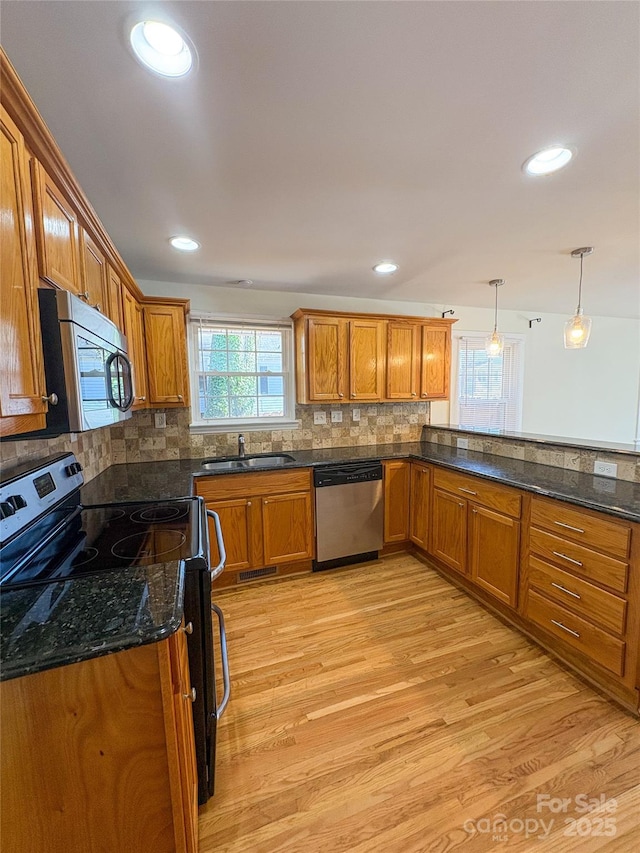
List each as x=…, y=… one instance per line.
x=288, y=371
x=456, y=337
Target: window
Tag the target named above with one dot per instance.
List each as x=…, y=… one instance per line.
x=489, y=390
x=241, y=374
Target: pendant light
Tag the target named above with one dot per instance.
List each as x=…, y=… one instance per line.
x=495, y=342
x=578, y=328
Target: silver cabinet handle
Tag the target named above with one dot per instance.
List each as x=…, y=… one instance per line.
x=52, y=399
x=191, y=695
x=564, y=589
x=468, y=491
x=564, y=628
x=564, y=557
x=223, y=554
x=569, y=527
x=188, y=628
x=225, y=662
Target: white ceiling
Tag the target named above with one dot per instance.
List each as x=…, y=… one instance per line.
x=316, y=138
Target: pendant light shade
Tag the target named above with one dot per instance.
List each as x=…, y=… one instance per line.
x=578, y=328
x=495, y=342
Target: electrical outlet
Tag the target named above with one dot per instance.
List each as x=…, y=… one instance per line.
x=356, y=414
x=319, y=417
x=605, y=469
x=160, y=420
x=336, y=417
x=462, y=443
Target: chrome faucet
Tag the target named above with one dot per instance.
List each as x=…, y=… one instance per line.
x=241, y=446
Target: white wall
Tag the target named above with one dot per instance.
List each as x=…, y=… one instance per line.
x=589, y=393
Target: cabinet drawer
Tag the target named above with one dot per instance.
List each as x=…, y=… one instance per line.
x=583, y=561
x=223, y=487
x=594, y=530
x=584, y=598
x=480, y=491
x=577, y=633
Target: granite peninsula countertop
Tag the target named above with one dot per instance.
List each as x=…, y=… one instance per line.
x=164, y=480
x=61, y=622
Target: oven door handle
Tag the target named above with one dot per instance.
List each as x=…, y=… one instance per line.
x=223, y=554
x=225, y=662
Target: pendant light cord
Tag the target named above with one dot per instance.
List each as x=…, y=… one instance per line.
x=580, y=285
x=495, y=318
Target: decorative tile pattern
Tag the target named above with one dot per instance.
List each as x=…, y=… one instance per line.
x=92, y=449
x=574, y=459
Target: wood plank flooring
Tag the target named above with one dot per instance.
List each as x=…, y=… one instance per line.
x=379, y=708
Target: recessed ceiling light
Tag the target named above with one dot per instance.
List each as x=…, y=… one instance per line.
x=184, y=244
x=385, y=267
x=161, y=48
x=548, y=160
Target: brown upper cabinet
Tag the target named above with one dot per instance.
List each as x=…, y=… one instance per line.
x=93, y=274
x=418, y=361
x=57, y=233
x=22, y=386
x=113, y=298
x=167, y=370
x=134, y=331
x=370, y=357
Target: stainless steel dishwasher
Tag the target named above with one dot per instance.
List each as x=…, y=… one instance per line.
x=349, y=513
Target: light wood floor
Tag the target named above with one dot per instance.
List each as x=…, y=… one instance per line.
x=378, y=708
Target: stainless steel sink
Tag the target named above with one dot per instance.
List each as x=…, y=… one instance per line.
x=234, y=463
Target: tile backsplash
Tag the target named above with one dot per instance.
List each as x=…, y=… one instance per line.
x=92, y=449
x=138, y=440
x=558, y=456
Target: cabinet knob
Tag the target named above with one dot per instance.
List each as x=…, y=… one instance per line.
x=413, y=394
x=191, y=695
x=98, y=307
x=424, y=395
x=179, y=396
x=248, y=503
x=460, y=504
x=265, y=502
x=52, y=399
x=188, y=628
x=141, y=398
x=84, y=295
x=342, y=395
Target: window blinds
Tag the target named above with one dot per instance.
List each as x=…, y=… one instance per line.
x=489, y=390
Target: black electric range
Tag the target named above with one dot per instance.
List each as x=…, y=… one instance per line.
x=48, y=540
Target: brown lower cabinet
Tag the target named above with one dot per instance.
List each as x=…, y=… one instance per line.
x=420, y=502
x=100, y=755
x=494, y=552
x=266, y=519
x=397, y=476
x=449, y=530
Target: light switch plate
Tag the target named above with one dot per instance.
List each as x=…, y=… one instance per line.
x=355, y=414
x=605, y=469
x=336, y=417
x=160, y=420
x=319, y=417
x=462, y=443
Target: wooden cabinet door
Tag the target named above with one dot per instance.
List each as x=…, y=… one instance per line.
x=287, y=528
x=327, y=363
x=22, y=384
x=419, y=505
x=134, y=330
x=56, y=233
x=435, y=363
x=403, y=361
x=113, y=298
x=93, y=273
x=449, y=530
x=397, y=476
x=186, y=746
x=241, y=530
x=166, y=350
x=366, y=359
x=494, y=553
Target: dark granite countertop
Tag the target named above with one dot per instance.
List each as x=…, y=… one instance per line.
x=49, y=625
x=164, y=480
x=537, y=438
